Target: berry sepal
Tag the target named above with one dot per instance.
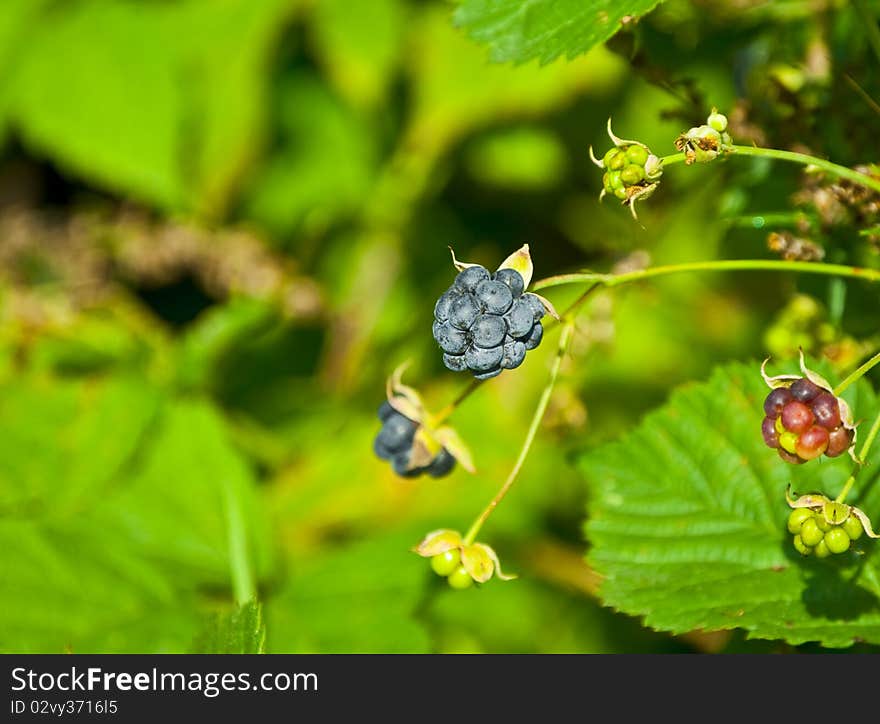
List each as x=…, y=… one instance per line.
x=460, y=562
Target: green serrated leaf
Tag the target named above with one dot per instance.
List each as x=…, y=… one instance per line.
x=240, y=631
x=687, y=523
x=521, y=30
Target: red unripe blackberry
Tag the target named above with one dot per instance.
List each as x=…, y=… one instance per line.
x=804, y=390
x=812, y=443
x=797, y=417
x=839, y=441
x=768, y=430
x=776, y=400
x=789, y=458
x=827, y=410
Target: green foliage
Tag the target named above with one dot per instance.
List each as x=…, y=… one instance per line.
x=240, y=631
x=546, y=29
x=117, y=510
x=359, y=600
x=688, y=523
x=162, y=102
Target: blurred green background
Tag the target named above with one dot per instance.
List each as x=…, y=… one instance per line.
x=224, y=222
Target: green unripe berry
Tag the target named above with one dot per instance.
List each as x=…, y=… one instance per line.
x=837, y=540
x=788, y=442
x=609, y=156
x=797, y=518
x=811, y=534
x=821, y=550
x=718, y=121
x=618, y=161
x=853, y=527
x=446, y=562
x=632, y=174
x=780, y=428
x=637, y=155
x=614, y=180
x=801, y=548
x=460, y=579
x=823, y=524
x=620, y=193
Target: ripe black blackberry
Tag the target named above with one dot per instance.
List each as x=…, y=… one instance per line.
x=395, y=442
x=486, y=322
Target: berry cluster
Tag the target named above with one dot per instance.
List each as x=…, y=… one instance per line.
x=485, y=323
x=803, y=421
x=813, y=534
x=395, y=442
x=624, y=170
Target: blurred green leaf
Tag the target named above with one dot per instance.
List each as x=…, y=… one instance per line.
x=241, y=631
x=359, y=44
x=180, y=503
x=57, y=453
x=324, y=166
x=688, y=523
x=519, y=159
x=521, y=30
x=162, y=101
x=131, y=527
x=456, y=90
x=16, y=18
x=360, y=599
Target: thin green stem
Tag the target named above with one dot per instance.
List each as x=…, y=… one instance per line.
x=872, y=435
x=613, y=280
x=564, y=340
x=447, y=411
x=856, y=374
x=792, y=157
x=846, y=488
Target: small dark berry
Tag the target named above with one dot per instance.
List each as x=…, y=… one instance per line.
x=450, y=339
x=463, y=311
x=483, y=360
x=514, y=354
x=536, y=305
x=789, y=457
x=385, y=411
x=468, y=279
x=488, y=331
x=839, y=441
x=512, y=279
x=442, y=464
x=443, y=305
x=455, y=362
x=520, y=318
x=488, y=374
x=397, y=433
x=827, y=410
x=768, y=430
x=400, y=464
x=776, y=400
x=804, y=390
x=495, y=297
x=535, y=336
